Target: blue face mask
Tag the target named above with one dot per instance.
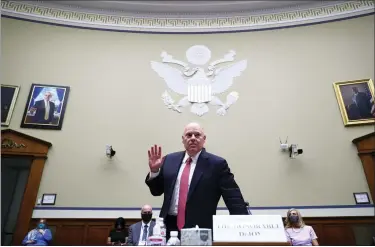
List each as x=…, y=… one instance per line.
x=41, y=225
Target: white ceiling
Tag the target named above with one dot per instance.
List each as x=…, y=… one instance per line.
x=174, y=7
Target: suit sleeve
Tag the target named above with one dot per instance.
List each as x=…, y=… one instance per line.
x=156, y=184
x=130, y=237
x=36, y=104
x=230, y=191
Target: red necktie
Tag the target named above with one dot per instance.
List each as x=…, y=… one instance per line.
x=182, y=198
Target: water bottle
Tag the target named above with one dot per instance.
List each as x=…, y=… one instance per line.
x=174, y=241
x=156, y=239
x=163, y=230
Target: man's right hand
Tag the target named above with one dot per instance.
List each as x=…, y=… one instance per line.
x=154, y=158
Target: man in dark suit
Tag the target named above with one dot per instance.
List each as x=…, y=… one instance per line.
x=363, y=102
x=192, y=182
x=44, y=110
x=140, y=231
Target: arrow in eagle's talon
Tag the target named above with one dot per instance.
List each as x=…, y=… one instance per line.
x=176, y=108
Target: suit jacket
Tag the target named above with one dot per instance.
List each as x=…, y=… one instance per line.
x=135, y=232
x=212, y=179
x=40, y=111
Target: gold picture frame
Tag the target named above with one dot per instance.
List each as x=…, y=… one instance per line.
x=356, y=101
x=9, y=94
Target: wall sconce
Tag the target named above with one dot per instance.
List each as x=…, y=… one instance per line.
x=293, y=149
x=109, y=151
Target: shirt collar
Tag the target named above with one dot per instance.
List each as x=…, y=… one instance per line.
x=143, y=224
x=194, y=158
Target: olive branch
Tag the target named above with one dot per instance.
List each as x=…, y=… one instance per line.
x=169, y=102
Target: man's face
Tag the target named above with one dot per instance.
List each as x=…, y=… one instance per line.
x=47, y=96
x=193, y=139
x=146, y=210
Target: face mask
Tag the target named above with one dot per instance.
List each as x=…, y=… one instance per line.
x=41, y=225
x=294, y=218
x=146, y=217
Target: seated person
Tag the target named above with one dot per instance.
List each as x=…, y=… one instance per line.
x=297, y=232
x=39, y=236
x=140, y=231
x=118, y=235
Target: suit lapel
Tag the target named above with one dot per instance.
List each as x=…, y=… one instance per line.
x=198, y=171
x=137, y=232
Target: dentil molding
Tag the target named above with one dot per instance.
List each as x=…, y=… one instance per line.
x=184, y=23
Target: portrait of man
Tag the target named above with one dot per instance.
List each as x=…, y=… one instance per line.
x=43, y=110
x=9, y=95
x=45, y=107
x=356, y=101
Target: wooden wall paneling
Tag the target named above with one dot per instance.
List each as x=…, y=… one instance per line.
x=97, y=235
x=15, y=144
x=331, y=227
x=318, y=231
x=70, y=234
x=335, y=234
x=94, y=232
x=98, y=232
x=364, y=234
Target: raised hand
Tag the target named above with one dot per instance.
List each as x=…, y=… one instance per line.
x=154, y=158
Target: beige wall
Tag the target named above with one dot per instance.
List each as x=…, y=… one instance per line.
x=116, y=99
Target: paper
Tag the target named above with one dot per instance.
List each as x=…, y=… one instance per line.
x=49, y=199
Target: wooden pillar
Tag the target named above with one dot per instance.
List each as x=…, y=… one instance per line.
x=366, y=152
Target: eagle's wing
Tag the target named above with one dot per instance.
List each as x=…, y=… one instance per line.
x=172, y=76
x=224, y=78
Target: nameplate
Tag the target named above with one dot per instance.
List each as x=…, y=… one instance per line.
x=248, y=228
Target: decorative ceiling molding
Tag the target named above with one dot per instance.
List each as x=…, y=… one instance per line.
x=185, y=23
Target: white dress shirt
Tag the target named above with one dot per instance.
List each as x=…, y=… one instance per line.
x=175, y=196
x=46, y=102
x=142, y=228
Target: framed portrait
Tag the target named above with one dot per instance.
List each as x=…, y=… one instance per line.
x=361, y=198
x=48, y=199
x=9, y=95
x=45, y=107
x=356, y=101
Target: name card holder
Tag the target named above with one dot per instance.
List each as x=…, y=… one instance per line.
x=249, y=230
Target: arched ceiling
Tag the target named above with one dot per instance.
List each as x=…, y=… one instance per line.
x=185, y=16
